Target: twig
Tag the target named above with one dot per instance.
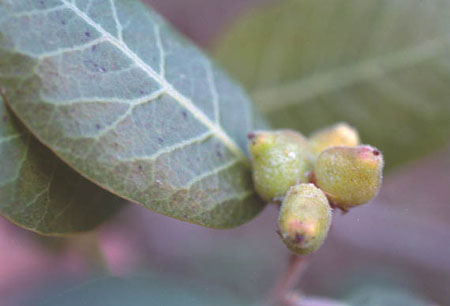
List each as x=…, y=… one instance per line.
x=288, y=279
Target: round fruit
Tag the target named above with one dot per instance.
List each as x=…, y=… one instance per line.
x=280, y=159
x=340, y=134
x=305, y=218
x=349, y=176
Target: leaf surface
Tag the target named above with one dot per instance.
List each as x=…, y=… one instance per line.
x=381, y=65
x=131, y=105
x=39, y=192
x=143, y=290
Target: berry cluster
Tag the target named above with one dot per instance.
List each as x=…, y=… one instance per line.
x=309, y=177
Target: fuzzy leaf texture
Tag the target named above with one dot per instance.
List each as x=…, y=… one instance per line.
x=39, y=192
x=131, y=105
x=381, y=65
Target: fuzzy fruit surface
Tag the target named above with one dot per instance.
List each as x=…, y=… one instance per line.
x=280, y=159
x=305, y=218
x=340, y=134
x=349, y=176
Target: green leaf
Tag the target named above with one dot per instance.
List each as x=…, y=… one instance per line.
x=131, y=105
x=39, y=192
x=382, y=65
x=144, y=290
x=379, y=296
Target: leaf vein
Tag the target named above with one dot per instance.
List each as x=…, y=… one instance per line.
x=162, y=53
x=307, y=88
x=116, y=20
x=10, y=137
x=82, y=47
x=180, y=98
x=32, y=13
x=214, y=93
x=214, y=171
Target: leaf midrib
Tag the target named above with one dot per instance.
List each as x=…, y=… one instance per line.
x=169, y=89
x=304, y=89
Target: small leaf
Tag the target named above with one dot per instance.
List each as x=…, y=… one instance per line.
x=381, y=65
x=131, y=105
x=39, y=192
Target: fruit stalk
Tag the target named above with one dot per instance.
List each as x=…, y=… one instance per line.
x=288, y=279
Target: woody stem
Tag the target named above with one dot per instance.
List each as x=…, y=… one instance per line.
x=288, y=279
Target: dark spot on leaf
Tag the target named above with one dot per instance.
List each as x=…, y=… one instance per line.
x=141, y=92
x=184, y=115
x=97, y=126
x=63, y=22
x=219, y=152
x=87, y=34
x=160, y=140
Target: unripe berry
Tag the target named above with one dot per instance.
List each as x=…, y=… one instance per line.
x=280, y=159
x=305, y=218
x=349, y=176
x=340, y=134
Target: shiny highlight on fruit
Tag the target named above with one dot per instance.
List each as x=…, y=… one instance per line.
x=280, y=159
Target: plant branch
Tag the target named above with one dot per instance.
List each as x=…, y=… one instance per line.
x=288, y=279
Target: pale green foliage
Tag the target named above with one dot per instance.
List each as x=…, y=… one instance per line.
x=305, y=218
x=280, y=159
x=144, y=289
x=349, y=176
x=41, y=193
x=381, y=65
x=131, y=105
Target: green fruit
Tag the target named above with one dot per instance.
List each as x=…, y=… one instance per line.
x=280, y=159
x=349, y=176
x=305, y=218
x=340, y=134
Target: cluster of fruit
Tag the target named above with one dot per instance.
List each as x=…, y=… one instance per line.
x=309, y=177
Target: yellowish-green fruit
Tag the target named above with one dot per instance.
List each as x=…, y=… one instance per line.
x=340, y=134
x=280, y=159
x=349, y=176
x=305, y=218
